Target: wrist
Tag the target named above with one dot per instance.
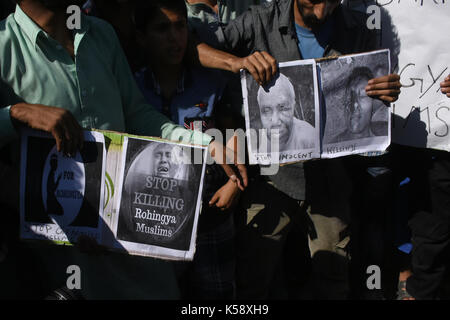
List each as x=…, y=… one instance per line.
x=233, y=64
x=17, y=109
x=15, y=113
x=233, y=184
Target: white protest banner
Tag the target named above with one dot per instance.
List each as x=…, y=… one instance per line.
x=416, y=32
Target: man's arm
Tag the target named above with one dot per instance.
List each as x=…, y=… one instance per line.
x=58, y=121
x=261, y=65
x=236, y=44
x=15, y=112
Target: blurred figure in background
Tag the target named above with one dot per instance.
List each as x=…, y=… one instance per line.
x=191, y=96
x=119, y=14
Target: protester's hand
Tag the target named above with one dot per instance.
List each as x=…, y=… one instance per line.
x=224, y=156
x=57, y=121
x=226, y=196
x=386, y=88
x=445, y=86
x=89, y=246
x=261, y=65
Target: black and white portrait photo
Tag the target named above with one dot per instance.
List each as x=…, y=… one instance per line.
x=61, y=196
x=355, y=122
x=160, y=195
x=281, y=115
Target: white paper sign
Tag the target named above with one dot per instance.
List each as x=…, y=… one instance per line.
x=417, y=33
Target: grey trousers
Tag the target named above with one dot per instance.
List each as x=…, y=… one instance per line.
x=279, y=232
x=343, y=199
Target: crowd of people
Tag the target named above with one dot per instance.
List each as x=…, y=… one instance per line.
x=163, y=67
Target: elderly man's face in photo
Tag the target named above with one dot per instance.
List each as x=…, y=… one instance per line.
x=165, y=164
x=359, y=110
x=277, y=110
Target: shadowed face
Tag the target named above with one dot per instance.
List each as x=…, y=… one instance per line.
x=359, y=109
x=315, y=12
x=166, y=36
x=165, y=164
x=276, y=107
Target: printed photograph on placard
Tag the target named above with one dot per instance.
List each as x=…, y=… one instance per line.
x=61, y=196
x=355, y=122
x=282, y=117
x=160, y=196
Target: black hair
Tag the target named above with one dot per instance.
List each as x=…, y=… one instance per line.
x=144, y=10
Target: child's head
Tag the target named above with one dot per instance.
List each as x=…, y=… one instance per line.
x=162, y=30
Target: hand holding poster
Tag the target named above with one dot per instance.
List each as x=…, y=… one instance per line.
x=141, y=196
x=61, y=198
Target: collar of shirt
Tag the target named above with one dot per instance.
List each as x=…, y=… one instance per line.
x=33, y=31
x=152, y=83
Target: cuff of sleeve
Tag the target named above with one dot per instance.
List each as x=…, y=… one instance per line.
x=6, y=127
x=201, y=138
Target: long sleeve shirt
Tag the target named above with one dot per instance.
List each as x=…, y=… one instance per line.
x=97, y=87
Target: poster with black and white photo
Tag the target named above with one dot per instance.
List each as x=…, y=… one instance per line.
x=355, y=123
x=159, y=198
x=282, y=117
x=61, y=197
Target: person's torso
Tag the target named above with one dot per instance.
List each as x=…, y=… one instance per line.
x=43, y=72
x=274, y=32
x=193, y=102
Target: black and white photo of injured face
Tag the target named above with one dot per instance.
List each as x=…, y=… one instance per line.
x=359, y=105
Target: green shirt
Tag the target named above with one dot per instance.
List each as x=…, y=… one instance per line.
x=97, y=88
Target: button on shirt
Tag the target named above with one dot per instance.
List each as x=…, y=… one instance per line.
x=97, y=87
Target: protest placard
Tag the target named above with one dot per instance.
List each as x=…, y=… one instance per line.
x=138, y=195
x=317, y=109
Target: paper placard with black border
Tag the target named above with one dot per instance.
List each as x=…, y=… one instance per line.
x=282, y=117
x=61, y=197
x=159, y=198
x=355, y=123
